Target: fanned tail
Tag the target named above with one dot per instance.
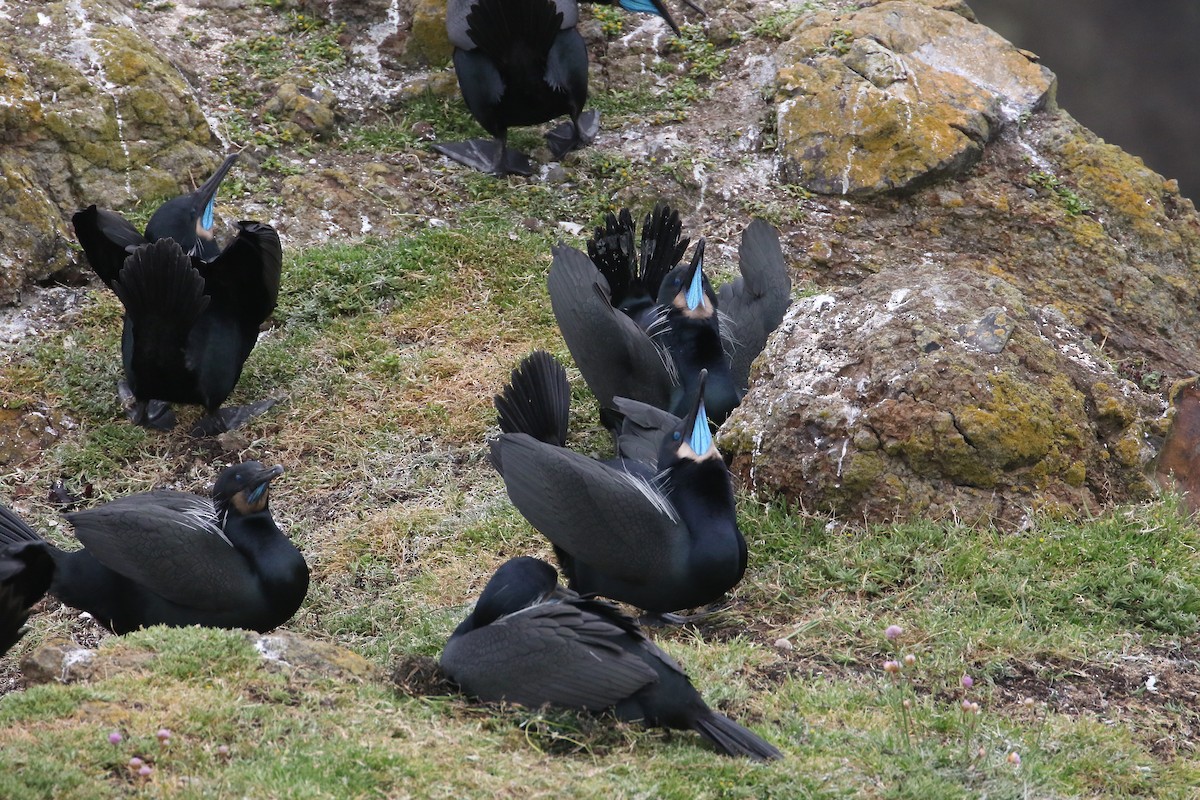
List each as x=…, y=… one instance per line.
x=611, y=250
x=158, y=282
x=733, y=740
x=662, y=246
x=537, y=400
x=502, y=27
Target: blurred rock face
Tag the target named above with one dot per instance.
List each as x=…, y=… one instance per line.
x=1126, y=70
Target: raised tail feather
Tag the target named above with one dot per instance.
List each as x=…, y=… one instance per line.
x=498, y=27
x=537, y=400
x=612, y=251
x=733, y=740
x=159, y=284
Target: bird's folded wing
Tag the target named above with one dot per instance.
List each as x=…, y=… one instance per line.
x=552, y=653
x=755, y=302
x=107, y=238
x=170, y=543
x=601, y=515
x=615, y=356
x=246, y=275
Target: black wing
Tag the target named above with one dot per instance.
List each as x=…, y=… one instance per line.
x=556, y=653
x=107, y=239
x=615, y=356
x=601, y=515
x=245, y=277
x=754, y=304
x=170, y=543
x=25, y=575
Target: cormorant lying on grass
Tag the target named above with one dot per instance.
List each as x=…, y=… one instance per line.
x=529, y=641
x=656, y=528
x=521, y=62
x=643, y=327
x=173, y=558
x=25, y=574
x=192, y=311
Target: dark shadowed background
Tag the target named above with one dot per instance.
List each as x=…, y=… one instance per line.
x=1127, y=69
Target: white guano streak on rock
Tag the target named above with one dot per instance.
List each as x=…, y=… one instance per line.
x=87, y=57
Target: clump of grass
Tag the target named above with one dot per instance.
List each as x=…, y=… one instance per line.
x=1067, y=198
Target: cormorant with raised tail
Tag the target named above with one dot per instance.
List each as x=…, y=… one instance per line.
x=530, y=641
x=173, y=558
x=642, y=326
x=192, y=310
x=522, y=62
x=655, y=528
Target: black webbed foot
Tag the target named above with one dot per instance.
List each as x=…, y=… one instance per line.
x=153, y=414
x=230, y=418
x=487, y=155
x=568, y=136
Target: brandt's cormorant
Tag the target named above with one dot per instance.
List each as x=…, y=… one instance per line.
x=643, y=327
x=173, y=558
x=529, y=641
x=521, y=62
x=655, y=528
x=25, y=573
x=192, y=310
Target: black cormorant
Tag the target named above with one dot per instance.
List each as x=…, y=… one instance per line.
x=643, y=327
x=655, y=528
x=522, y=62
x=529, y=641
x=25, y=574
x=192, y=310
x=174, y=558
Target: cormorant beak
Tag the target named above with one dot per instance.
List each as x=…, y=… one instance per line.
x=205, y=196
x=258, y=484
x=700, y=439
x=651, y=7
x=695, y=284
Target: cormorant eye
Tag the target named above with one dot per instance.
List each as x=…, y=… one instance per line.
x=676, y=436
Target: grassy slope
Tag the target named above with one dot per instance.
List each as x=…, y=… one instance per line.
x=389, y=494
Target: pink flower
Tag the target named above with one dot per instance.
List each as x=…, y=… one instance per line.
x=967, y=681
x=145, y=770
x=893, y=632
x=164, y=735
x=135, y=762
x=1014, y=758
x=114, y=738
x=891, y=667
x=909, y=660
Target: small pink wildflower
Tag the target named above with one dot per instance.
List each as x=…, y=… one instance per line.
x=114, y=738
x=967, y=681
x=891, y=667
x=893, y=632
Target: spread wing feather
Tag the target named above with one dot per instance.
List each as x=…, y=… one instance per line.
x=246, y=275
x=599, y=514
x=755, y=302
x=170, y=543
x=107, y=238
x=613, y=353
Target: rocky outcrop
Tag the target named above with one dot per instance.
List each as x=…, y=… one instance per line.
x=990, y=344
x=940, y=392
x=897, y=95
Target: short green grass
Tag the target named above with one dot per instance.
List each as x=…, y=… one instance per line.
x=385, y=354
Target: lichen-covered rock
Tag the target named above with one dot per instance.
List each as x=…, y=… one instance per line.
x=428, y=42
x=90, y=111
x=307, y=113
x=896, y=95
x=944, y=393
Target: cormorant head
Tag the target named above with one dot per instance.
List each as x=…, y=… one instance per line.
x=656, y=7
x=188, y=219
x=691, y=439
x=518, y=583
x=244, y=488
x=688, y=291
